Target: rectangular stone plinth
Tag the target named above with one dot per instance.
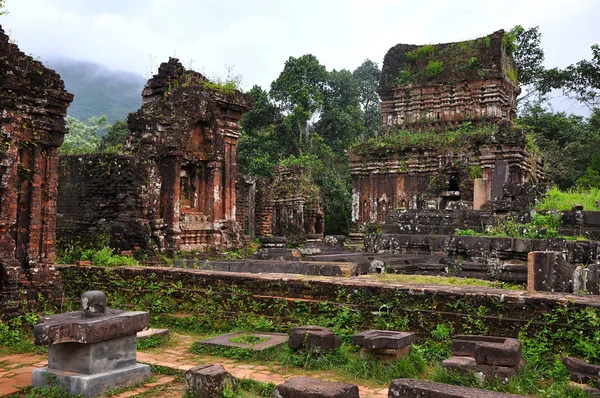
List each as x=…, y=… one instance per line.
x=93, y=358
x=383, y=339
x=72, y=327
x=91, y=385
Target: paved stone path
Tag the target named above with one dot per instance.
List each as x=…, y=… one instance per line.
x=15, y=371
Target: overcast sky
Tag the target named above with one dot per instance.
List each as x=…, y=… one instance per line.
x=256, y=37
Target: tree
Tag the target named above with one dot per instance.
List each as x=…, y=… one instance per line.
x=82, y=137
x=565, y=142
x=583, y=83
x=298, y=89
x=580, y=81
x=341, y=118
x=114, y=138
x=2, y=9
x=367, y=76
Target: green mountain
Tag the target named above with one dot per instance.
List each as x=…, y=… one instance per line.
x=99, y=90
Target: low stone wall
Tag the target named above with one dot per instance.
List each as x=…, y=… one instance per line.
x=104, y=196
x=440, y=222
x=483, y=248
x=218, y=298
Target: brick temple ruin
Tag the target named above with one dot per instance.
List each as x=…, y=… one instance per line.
x=175, y=190
x=443, y=90
x=34, y=104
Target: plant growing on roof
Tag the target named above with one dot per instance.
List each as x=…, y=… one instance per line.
x=434, y=68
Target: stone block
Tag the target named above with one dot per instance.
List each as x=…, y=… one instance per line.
x=208, y=381
x=581, y=371
x=383, y=339
x=91, y=385
x=305, y=387
x=148, y=333
x=313, y=338
x=88, y=359
x=410, y=388
x=488, y=350
x=489, y=372
x=73, y=327
x=549, y=271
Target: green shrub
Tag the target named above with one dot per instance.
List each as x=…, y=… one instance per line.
x=434, y=68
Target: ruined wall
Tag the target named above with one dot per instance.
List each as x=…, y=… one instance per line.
x=297, y=203
x=433, y=175
x=254, y=209
x=34, y=103
x=106, y=198
x=443, y=85
x=189, y=127
x=221, y=298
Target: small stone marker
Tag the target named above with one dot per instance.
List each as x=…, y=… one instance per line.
x=385, y=344
x=208, y=381
x=410, y=388
x=490, y=356
x=93, y=350
x=313, y=338
x=306, y=387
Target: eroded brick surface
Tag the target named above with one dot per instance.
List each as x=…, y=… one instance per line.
x=33, y=102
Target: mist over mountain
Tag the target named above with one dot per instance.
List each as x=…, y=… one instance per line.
x=98, y=90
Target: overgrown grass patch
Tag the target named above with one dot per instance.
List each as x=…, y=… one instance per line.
x=556, y=199
x=441, y=280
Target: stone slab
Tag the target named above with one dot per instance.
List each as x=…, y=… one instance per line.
x=144, y=334
x=411, y=388
x=91, y=385
x=306, y=387
x=71, y=327
x=93, y=358
x=469, y=365
x=274, y=340
x=383, y=339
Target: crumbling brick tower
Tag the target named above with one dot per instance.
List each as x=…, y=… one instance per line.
x=34, y=103
x=434, y=95
x=189, y=128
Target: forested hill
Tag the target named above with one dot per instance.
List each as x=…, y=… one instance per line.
x=99, y=90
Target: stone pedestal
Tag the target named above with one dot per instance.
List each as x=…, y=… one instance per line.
x=93, y=350
x=493, y=357
x=385, y=344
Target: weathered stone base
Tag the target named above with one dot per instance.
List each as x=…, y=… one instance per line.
x=386, y=354
x=91, y=385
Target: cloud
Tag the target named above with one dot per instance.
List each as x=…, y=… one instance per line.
x=257, y=37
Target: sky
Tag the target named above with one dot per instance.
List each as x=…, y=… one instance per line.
x=254, y=38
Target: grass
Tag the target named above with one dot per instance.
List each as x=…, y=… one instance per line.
x=248, y=339
x=463, y=136
x=543, y=376
x=556, y=199
x=154, y=342
x=104, y=257
x=441, y=280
